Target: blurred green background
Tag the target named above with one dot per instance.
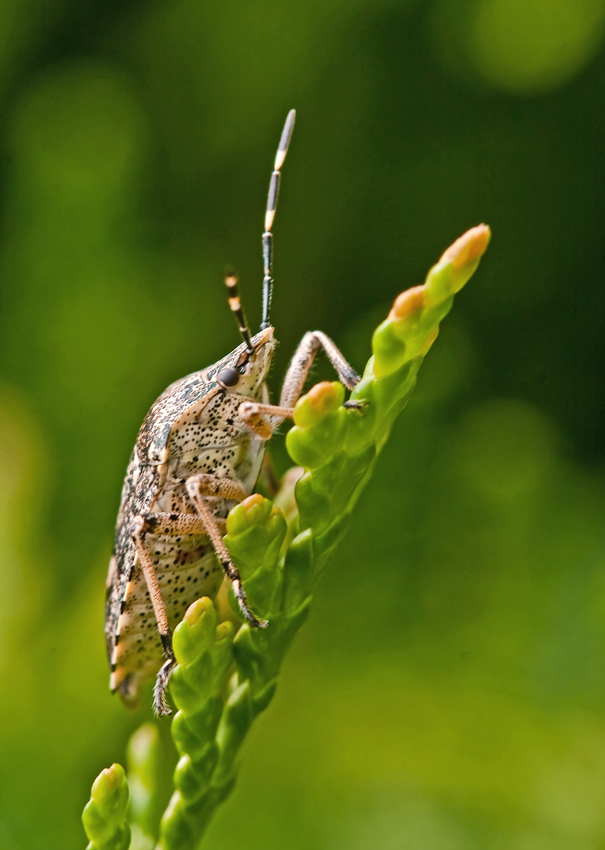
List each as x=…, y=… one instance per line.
x=448, y=692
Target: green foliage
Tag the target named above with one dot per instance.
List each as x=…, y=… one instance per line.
x=450, y=692
x=204, y=727
x=105, y=815
x=143, y=759
x=224, y=677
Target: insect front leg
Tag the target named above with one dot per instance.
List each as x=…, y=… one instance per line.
x=197, y=487
x=302, y=361
x=254, y=413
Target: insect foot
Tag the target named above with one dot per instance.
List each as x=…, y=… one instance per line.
x=254, y=416
x=354, y=405
x=160, y=706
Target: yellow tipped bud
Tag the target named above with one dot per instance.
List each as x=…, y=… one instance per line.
x=224, y=630
x=457, y=264
x=254, y=508
x=468, y=247
x=251, y=501
x=196, y=609
x=107, y=781
x=406, y=303
x=323, y=398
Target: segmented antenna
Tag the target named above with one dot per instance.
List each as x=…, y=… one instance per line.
x=280, y=156
x=236, y=307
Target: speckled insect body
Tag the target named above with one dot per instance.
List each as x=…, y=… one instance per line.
x=192, y=429
x=198, y=453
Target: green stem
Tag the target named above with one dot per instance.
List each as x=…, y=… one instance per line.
x=105, y=815
x=226, y=675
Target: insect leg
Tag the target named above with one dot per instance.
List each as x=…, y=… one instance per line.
x=302, y=361
x=159, y=609
x=254, y=415
x=195, y=484
x=177, y=523
x=214, y=485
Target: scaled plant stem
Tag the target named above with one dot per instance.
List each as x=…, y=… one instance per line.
x=105, y=815
x=143, y=759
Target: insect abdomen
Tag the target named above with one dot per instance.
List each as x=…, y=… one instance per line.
x=186, y=570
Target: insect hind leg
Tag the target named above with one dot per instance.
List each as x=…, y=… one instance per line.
x=174, y=524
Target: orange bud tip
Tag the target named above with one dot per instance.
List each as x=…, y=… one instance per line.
x=407, y=303
x=321, y=396
x=252, y=502
x=108, y=780
x=224, y=630
x=197, y=608
x=468, y=247
x=112, y=775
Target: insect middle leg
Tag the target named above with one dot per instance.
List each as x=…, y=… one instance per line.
x=199, y=486
x=174, y=524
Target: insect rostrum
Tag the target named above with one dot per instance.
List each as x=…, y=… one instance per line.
x=199, y=452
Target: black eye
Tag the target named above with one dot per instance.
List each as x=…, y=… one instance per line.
x=228, y=378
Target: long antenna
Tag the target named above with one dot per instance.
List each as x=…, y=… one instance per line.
x=280, y=156
x=236, y=307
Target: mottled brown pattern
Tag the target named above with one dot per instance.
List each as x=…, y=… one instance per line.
x=192, y=428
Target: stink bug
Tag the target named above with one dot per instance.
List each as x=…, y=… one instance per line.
x=198, y=453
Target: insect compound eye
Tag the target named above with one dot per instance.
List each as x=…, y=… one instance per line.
x=228, y=378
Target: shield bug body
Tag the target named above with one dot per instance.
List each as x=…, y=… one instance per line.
x=198, y=453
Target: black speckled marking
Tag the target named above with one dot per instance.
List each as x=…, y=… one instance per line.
x=192, y=428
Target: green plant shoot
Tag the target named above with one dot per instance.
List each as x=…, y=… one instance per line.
x=227, y=672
